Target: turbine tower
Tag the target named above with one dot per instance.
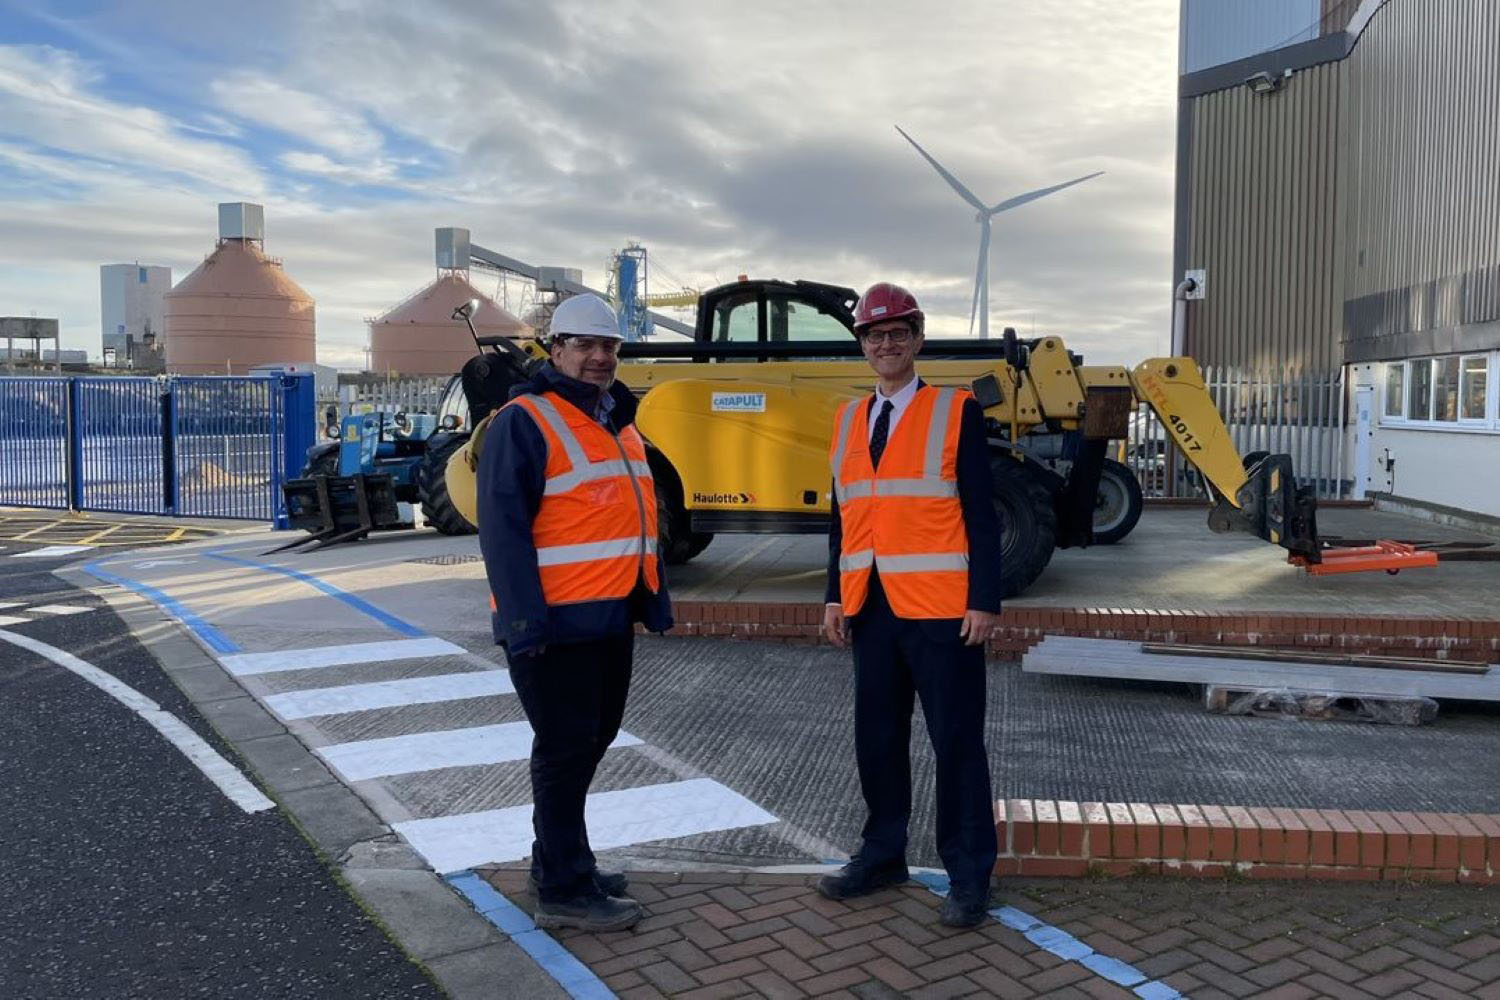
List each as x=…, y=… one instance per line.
x=981, y=303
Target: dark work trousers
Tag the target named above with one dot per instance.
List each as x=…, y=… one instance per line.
x=895, y=659
x=574, y=697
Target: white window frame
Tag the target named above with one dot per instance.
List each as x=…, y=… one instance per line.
x=1488, y=424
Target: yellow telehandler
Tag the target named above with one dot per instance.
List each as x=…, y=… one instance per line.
x=739, y=420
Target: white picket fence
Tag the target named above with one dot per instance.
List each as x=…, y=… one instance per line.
x=1299, y=415
x=411, y=394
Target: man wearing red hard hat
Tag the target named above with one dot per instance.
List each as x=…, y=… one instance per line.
x=914, y=584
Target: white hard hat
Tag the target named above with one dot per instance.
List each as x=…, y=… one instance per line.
x=585, y=315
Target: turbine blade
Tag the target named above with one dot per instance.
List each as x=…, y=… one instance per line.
x=981, y=273
x=953, y=182
x=1022, y=199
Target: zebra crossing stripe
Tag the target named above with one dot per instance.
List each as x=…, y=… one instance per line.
x=12, y=620
x=61, y=609
x=615, y=819
x=279, y=660
x=389, y=694
x=363, y=759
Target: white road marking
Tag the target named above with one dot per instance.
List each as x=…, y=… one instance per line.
x=615, y=819
x=51, y=550
x=389, y=694
x=225, y=775
x=61, y=609
x=9, y=604
x=429, y=751
x=152, y=563
x=277, y=661
x=10, y=620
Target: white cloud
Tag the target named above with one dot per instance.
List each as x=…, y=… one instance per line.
x=375, y=172
x=260, y=99
x=45, y=99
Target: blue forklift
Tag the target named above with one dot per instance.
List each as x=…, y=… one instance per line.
x=376, y=469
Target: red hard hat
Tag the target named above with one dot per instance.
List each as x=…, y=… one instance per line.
x=885, y=301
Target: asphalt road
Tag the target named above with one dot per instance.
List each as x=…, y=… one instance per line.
x=126, y=872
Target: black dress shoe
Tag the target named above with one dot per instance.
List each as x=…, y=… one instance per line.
x=964, y=912
x=859, y=879
x=609, y=883
x=593, y=912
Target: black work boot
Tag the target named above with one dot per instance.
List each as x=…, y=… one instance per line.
x=860, y=879
x=592, y=912
x=609, y=883
x=962, y=911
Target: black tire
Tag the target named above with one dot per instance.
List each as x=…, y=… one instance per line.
x=325, y=464
x=676, y=542
x=1028, y=523
x=1119, y=503
x=437, y=505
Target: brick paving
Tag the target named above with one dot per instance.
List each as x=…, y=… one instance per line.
x=716, y=934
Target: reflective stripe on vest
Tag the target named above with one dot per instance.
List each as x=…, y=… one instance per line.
x=914, y=505
x=583, y=470
x=595, y=531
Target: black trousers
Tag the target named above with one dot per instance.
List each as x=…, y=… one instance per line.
x=574, y=698
x=896, y=659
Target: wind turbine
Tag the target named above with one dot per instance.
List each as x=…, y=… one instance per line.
x=981, y=304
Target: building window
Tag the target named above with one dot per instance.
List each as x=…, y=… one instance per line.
x=1419, y=402
x=1445, y=389
x=1450, y=392
x=1395, y=390
x=1473, y=385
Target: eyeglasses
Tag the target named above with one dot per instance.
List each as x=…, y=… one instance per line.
x=588, y=345
x=894, y=336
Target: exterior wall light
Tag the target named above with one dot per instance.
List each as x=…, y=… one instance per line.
x=1267, y=83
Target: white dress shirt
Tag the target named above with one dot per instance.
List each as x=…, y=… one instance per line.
x=899, y=402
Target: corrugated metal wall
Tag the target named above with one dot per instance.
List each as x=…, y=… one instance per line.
x=1264, y=223
x=1423, y=181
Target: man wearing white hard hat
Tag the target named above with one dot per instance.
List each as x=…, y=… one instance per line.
x=567, y=524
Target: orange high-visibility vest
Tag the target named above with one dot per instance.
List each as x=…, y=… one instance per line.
x=904, y=520
x=595, y=532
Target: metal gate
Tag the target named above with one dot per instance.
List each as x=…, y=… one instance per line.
x=34, y=442
x=211, y=446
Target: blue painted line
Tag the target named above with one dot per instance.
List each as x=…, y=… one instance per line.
x=216, y=640
x=1113, y=969
x=572, y=975
x=359, y=604
x=1065, y=946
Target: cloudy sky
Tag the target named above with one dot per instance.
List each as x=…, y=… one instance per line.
x=728, y=138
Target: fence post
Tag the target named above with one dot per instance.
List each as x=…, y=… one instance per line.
x=75, y=446
x=299, y=418
x=169, y=445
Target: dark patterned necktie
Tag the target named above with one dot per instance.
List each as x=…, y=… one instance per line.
x=881, y=432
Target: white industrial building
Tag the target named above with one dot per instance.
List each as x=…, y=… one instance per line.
x=132, y=310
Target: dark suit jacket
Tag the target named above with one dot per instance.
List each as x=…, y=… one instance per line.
x=980, y=520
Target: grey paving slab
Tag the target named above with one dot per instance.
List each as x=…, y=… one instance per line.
x=334, y=817
x=422, y=911
x=472, y=975
x=207, y=682
x=283, y=763
x=240, y=718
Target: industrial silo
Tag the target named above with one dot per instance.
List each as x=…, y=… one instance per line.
x=238, y=308
x=421, y=337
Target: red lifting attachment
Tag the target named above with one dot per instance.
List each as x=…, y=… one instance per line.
x=1390, y=556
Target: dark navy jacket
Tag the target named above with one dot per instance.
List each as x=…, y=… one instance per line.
x=512, y=476
x=975, y=497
